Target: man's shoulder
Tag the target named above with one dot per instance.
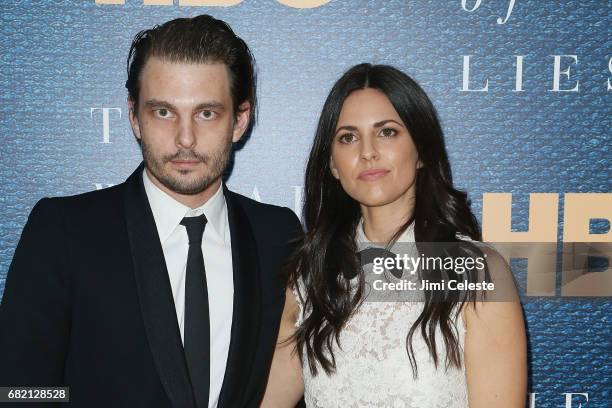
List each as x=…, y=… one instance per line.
x=256, y=207
x=95, y=212
x=268, y=217
x=90, y=203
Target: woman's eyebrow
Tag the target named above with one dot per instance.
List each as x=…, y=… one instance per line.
x=383, y=122
x=347, y=127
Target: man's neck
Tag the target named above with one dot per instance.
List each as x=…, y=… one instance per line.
x=189, y=200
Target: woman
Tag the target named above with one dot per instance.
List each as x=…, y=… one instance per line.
x=378, y=172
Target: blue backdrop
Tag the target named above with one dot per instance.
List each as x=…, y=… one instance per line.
x=64, y=126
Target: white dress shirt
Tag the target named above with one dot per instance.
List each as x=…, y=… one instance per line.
x=217, y=250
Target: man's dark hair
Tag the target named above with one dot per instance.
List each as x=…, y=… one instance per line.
x=201, y=39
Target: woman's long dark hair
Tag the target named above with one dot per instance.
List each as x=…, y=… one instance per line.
x=328, y=252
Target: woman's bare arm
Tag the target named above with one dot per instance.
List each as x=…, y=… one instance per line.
x=285, y=385
x=496, y=346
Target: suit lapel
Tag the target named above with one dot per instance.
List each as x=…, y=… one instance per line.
x=246, y=314
x=155, y=294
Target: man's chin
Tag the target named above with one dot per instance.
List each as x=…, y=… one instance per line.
x=188, y=184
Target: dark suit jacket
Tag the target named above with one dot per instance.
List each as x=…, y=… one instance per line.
x=88, y=304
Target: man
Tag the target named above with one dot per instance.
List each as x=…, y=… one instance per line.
x=166, y=290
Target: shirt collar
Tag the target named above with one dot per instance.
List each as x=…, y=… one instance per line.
x=168, y=212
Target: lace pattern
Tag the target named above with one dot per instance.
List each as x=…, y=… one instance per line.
x=373, y=369
x=372, y=364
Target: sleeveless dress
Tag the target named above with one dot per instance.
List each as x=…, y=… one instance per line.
x=372, y=366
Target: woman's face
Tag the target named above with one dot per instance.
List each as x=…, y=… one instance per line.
x=373, y=155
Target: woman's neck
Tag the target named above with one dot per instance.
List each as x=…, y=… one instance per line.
x=382, y=222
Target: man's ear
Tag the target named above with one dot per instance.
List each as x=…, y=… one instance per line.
x=241, y=123
x=133, y=116
x=334, y=170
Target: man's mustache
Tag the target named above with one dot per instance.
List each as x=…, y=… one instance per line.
x=186, y=155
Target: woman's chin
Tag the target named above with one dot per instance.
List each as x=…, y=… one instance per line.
x=374, y=200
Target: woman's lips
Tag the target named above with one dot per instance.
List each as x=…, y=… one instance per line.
x=372, y=174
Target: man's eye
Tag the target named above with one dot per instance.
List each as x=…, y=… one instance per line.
x=388, y=132
x=208, y=114
x=347, y=138
x=162, y=113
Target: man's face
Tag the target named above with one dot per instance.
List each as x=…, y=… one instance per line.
x=186, y=124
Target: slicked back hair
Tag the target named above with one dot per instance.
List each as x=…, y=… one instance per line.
x=201, y=39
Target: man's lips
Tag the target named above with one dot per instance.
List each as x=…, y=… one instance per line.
x=372, y=174
x=185, y=163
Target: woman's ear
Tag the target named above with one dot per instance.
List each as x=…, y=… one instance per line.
x=334, y=171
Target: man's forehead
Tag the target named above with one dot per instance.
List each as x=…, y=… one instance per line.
x=165, y=66
x=185, y=80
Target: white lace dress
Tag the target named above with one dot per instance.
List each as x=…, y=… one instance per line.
x=373, y=368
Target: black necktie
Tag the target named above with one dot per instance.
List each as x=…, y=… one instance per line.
x=197, y=329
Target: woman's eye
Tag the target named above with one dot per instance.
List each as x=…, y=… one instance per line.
x=388, y=132
x=207, y=114
x=347, y=138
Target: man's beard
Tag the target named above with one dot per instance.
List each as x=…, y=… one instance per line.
x=215, y=164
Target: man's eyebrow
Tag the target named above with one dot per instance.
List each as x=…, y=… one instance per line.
x=155, y=103
x=210, y=105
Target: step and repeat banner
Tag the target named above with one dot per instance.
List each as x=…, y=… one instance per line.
x=523, y=89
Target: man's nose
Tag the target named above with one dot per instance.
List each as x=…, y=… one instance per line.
x=185, y=137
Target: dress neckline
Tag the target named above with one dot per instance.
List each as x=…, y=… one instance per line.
x=407, y=235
